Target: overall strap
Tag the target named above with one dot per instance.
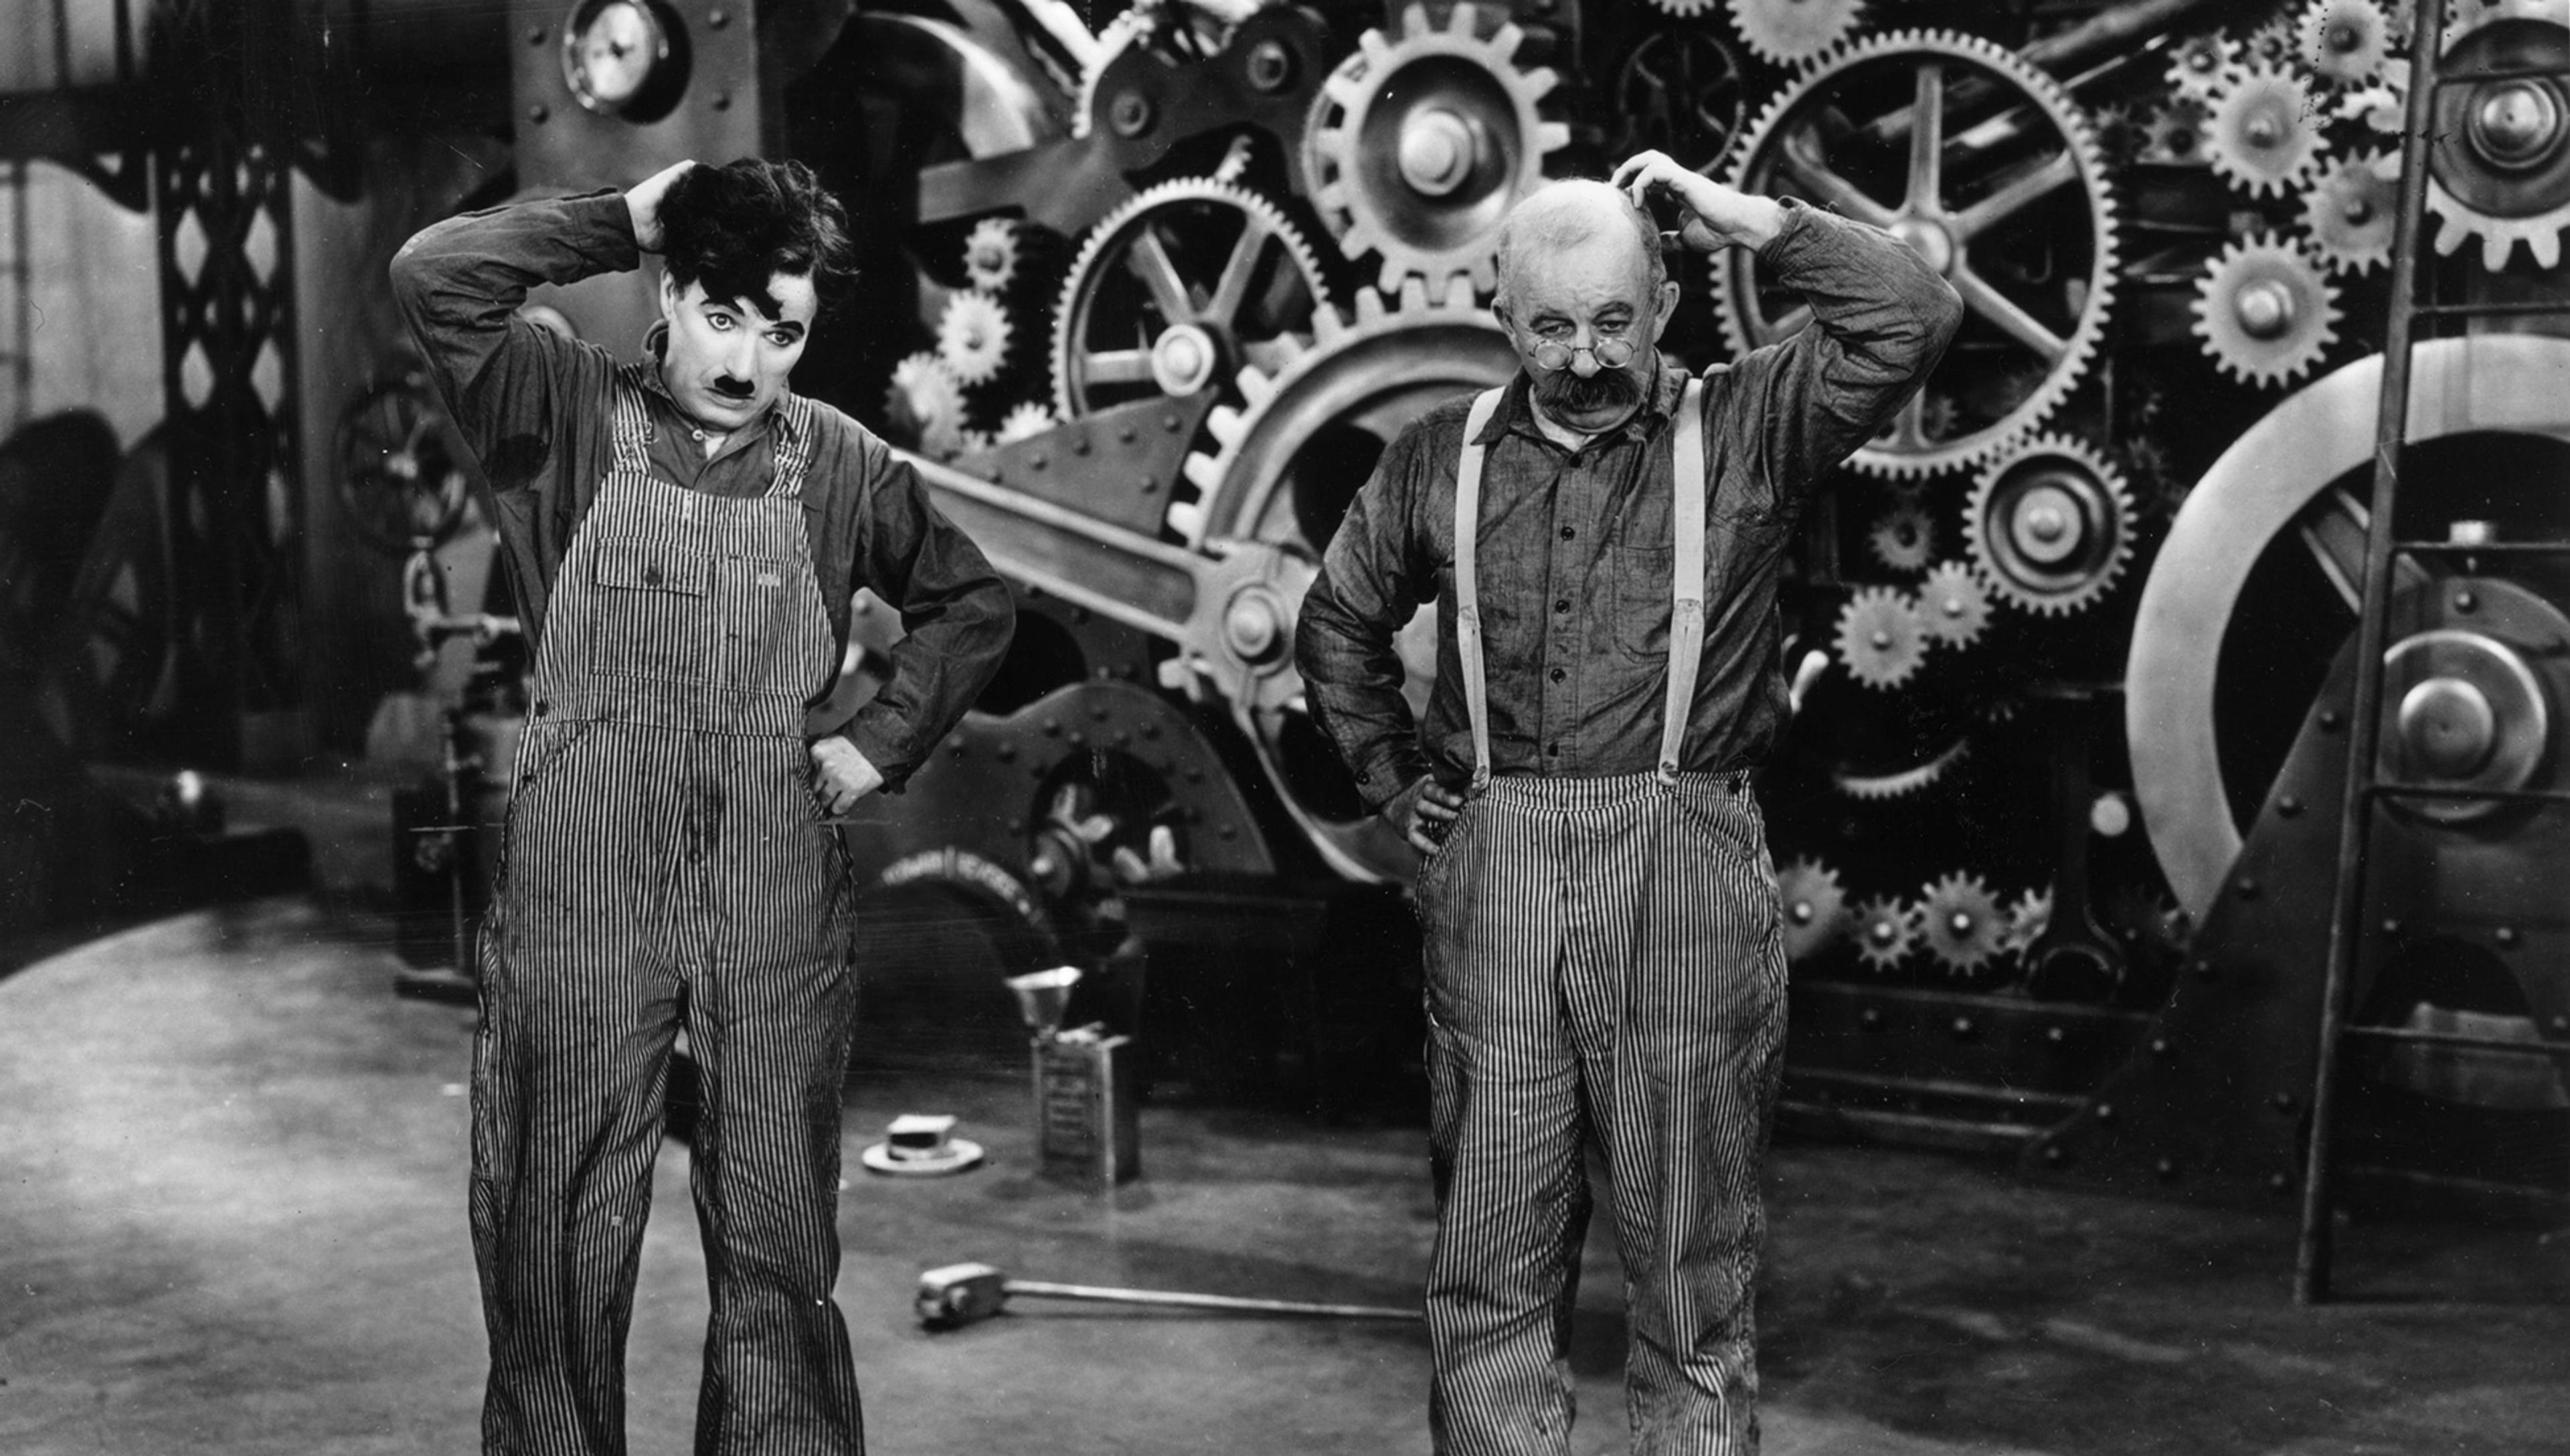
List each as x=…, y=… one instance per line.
x=1686, y=585
x=792, y=432
x=1467, y=600
x=630, y=433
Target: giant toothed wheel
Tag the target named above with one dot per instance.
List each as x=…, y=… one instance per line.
x=2050, y=525
x=1291, y=459
x=2488, y=430
x=2265, y=311
x=2499, y=170
x=1175, y=291
x=1791, y=32
x=1419, y=145
x=2265, y=135
x=2002, y=189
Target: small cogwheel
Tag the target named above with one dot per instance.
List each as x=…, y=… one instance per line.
x=2029, y=917
x=975, y=442
x=2266, y=311
x=2271, y=43
x=1961, y=922
x=1787, y=32
x=2176, y=132
x=2263, y=138
x=926, y=403
x=1682, y=7
x=2351, y=212
x=991, y=255
x=1813, y=907
x=973, y=337
x=1025, y=422
x=1902, y=538
x=1954, y=606
x=1881, y=639
x=2202, y=66
x=2050, y=525
x=2345, y=42
x=1886, y=930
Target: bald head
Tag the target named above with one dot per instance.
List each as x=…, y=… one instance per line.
x=1563, y=215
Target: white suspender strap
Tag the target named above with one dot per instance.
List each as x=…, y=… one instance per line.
x=1467, y=599
x=1686, y=585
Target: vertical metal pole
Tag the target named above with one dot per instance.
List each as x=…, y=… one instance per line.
x=2355, y=803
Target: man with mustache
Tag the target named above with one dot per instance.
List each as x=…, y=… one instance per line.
x=1602, y=539
x=684, y=534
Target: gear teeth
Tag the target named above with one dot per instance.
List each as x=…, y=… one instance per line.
x=1791, y=33
x=1744, y=329
x=1025, y=421
x=1901, y=784
x=1881, y=641
x=1812, y=907
x=2262, y=139
x=1954, y=606
x=2351, y=212
x=1961, y=923
x=2029, y=917
x=1886, y=932
x=1903, y=538
x=2344, y=42
x=2266, y=311
x=2203, y=66
x=2056, y=583
x=973, y=337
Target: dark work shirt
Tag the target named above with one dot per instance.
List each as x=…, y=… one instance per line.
x=538, y=409
x=1573, y=550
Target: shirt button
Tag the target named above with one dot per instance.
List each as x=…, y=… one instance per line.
x=1558, y=674
x=651, y=575
x=1561, y=604
x=543, y=707
x=1553, y=749
x=1568, y=532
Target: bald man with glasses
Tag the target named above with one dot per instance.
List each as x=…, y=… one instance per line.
x=1601, y=538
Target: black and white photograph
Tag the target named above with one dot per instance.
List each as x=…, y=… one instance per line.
x=1268, y=727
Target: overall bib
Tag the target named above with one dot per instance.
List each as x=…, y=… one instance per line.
x=665, y=864
x=1603, y=961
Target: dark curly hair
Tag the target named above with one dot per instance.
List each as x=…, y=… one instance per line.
x=734, y=226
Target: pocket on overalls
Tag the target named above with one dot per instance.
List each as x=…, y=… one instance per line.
x=650, y=613
x=754, y=602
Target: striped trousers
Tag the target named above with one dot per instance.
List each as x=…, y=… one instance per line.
x=654, y=878
x=1603, y=964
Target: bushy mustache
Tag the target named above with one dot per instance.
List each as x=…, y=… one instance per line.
x=1597, y=391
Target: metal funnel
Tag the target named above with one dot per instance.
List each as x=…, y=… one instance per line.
x=1043, y=995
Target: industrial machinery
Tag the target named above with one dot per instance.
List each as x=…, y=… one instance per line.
x=1148, y=290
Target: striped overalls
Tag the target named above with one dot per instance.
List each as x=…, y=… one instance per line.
x=667, y=864
x=1603, y=960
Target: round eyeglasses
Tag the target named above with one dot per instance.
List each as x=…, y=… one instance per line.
x=1552, y=355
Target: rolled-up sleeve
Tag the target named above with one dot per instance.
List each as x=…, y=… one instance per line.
x=1374, y=578
x=1880, y=319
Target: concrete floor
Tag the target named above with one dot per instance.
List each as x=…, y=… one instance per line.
x=232, y=1170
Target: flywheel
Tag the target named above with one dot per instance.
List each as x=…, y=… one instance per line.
x=1290, y=462
x=1992, y=172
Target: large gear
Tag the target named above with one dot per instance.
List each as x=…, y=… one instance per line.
x=1961, y=923
x=1419, y=145
x=2050, y=525
x=1290, y=459
x=2202, y=66
x=1787, y=32
x=1953, y=605
x=1170, y=28
x=2499, y=168
x=2264, y=137
x=1903, y=538
x=2345, y=42
x=2015, y=212
x=2266, y=311
x=973, y=336
x=1175, y=290
x=1887, y=929
x=1813, y=907
x=1881, y=639
x=2351, y=212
